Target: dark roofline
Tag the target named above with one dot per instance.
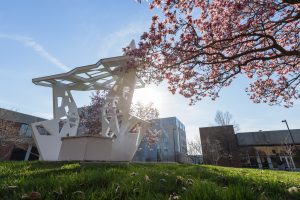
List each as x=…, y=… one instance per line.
x=15, y=116
x=284, y=130
x=215, y=126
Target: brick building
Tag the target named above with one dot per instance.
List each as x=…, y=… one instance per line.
x=262, y=149
x=16, y=142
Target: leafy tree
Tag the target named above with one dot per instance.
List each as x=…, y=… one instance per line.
x=201, y=46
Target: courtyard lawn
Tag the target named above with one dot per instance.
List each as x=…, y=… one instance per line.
x=57, y=180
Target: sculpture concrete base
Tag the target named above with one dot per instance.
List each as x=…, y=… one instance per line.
x=97, y=148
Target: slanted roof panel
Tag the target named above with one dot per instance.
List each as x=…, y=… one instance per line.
x=91, y=77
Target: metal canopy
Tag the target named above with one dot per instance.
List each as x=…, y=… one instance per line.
x=99, y=76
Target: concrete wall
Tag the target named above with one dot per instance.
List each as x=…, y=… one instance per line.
x=85, y=148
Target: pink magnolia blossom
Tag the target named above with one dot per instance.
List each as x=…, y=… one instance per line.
x=201, y=46
x=91, y=117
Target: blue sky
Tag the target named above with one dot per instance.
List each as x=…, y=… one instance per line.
x=39, y=38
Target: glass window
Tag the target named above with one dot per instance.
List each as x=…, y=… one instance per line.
x=25, y=130
x=29, y=132
x=42, y=130
x=165, y=140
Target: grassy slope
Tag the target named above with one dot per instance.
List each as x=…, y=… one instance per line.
x=128, y=181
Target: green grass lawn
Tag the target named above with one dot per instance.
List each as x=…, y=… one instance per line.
x=55, y=180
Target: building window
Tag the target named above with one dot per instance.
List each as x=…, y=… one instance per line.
x=25, y=130
x=165, y=140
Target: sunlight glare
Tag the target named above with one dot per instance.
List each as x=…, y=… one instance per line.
x=147, y=95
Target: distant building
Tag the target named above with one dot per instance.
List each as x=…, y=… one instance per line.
x=16, y=142
x=171, y=146
x=262, y=149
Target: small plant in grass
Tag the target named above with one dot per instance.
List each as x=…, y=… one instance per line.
x=71, y=166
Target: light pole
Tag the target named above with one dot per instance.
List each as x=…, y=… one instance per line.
x=284, y=121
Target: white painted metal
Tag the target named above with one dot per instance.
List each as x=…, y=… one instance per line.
x=117, y=123
x=28, y=152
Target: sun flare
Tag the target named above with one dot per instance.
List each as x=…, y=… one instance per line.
x=149, y=94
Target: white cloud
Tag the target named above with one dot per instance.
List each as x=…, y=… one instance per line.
x=39, y=49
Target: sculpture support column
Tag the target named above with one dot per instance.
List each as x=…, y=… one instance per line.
x=65, y=111
x=117, y=105
x=48, y=134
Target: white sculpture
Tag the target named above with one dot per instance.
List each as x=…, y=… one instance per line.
x=57, y=139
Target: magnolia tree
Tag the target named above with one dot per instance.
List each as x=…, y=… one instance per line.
x=91, y=116
x=147, y=112
x=201, y=46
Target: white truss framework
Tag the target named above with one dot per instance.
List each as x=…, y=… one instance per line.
x=99, y=76
x=115, y=141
